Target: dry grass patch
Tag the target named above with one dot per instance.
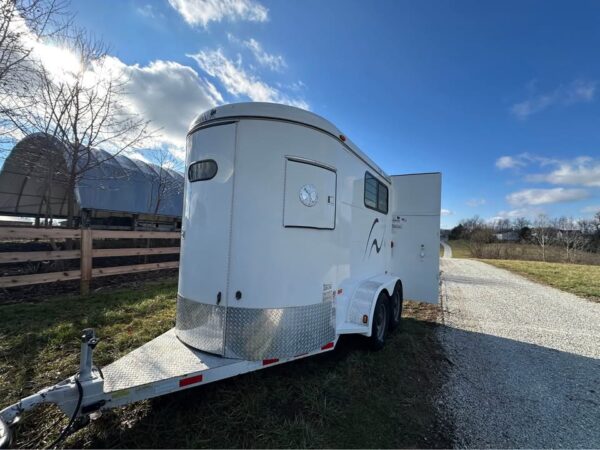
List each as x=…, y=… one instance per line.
x=582, y=280
x=460, y=248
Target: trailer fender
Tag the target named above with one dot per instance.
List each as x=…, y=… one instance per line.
x=362, y=304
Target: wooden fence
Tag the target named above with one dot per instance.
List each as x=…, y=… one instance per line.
x=85, y=254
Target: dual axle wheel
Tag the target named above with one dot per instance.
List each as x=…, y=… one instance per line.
x=387, y=316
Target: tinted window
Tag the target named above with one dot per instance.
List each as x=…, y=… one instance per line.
x=382, y=198
x=202, y=170
x=370, y=191
x=376, y=194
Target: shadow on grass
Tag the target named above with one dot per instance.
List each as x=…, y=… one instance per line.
x=350, y=397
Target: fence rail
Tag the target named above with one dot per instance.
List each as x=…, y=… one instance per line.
x=85, y=254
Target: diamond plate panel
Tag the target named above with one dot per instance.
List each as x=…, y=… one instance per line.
x=255, y=334
x=200, y=325
x=160, y=359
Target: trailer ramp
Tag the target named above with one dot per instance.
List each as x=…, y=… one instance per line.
x=162, y=359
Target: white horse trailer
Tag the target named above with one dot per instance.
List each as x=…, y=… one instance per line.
x=291, y=237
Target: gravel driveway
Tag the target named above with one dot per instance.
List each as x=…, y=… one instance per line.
x=447, y=250
x=525, y=360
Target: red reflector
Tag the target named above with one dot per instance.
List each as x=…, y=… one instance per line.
x=342, y=138
x=327, y=346
x=266, y=362
x=190, y=380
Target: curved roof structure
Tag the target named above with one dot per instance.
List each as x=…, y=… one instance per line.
x=276, y=111
x=33, y=182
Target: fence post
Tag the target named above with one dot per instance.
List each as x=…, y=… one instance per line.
x=86, y=260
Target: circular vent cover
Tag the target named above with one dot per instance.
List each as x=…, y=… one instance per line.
x=308, y=195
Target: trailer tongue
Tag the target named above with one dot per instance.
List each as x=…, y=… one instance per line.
x=161, y=366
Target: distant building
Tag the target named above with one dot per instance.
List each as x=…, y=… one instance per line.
x=508, y=236
x=116, y=191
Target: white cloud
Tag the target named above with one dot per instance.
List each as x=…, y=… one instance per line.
x=273, y=62
x=237, y=81
x=149, y=12
x=137, y=155
x=509, y=162
x=592, y=209
x=583, y=171
x=475, y=202
x=545, y=196
x=579, y=91
x=60, y=62
x=170, y=95
x=446, y=212
x=519, y=212
x=166, y=93
x=202, y=12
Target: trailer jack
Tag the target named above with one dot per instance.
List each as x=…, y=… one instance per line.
x=77, y=396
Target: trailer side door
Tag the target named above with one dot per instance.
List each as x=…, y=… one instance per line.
x=416, y=201
x=207, y=215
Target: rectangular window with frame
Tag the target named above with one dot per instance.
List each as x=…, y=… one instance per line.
x=376, y=194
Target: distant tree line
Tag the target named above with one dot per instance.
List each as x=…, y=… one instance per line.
x=561, y=238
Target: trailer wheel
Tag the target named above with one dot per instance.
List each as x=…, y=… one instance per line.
x=379, y=326
x=396, y=302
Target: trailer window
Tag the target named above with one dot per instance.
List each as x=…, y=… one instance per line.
x=202, y=170
x=376, y=194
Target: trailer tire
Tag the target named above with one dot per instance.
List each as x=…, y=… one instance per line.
x=396, y=303
x=379, y=325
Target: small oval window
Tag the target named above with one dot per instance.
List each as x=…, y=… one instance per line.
x=202, y=170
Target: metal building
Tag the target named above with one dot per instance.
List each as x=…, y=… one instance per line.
x=113, y=191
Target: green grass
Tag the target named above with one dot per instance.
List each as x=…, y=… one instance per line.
x=582, y=280
x=350, y=397
x=460, y=248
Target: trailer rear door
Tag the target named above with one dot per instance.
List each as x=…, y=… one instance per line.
x=416, y=201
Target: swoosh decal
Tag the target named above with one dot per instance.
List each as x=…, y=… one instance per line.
x=375, y=244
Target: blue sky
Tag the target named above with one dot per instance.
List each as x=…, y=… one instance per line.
x=503, y=97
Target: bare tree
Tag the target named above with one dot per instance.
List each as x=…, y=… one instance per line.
x=22, y=23
x=166, y=180
x=83, y=108
x=572, y=235
x=520, y=222
x=542, y=233
x=472, y=224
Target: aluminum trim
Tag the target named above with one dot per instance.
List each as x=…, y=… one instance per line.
x=255, y=334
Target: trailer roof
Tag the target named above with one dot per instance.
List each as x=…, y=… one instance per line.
x=286, y=113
